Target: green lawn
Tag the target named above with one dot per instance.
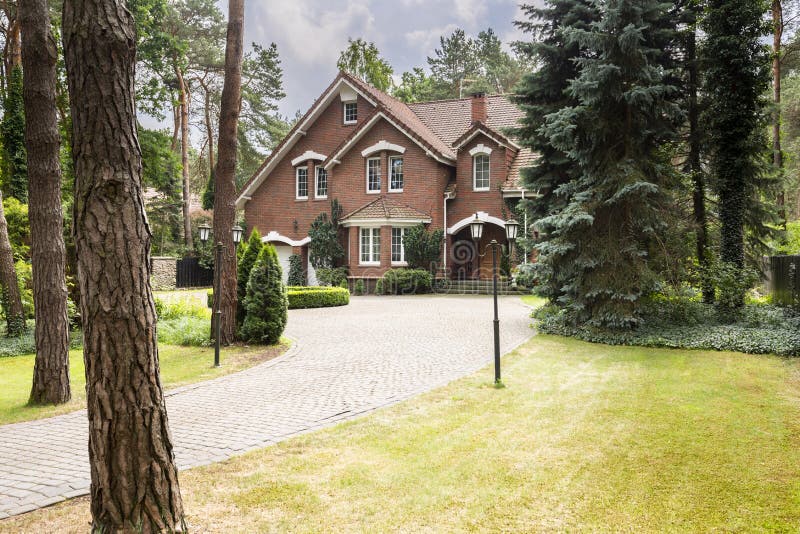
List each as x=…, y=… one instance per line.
x=583, y=438
x=534, y=301
x=179, y=366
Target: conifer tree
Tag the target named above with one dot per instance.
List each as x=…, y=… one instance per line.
x=540, y=93
x=15, y=164
x=266, y=302
x=737, y=77
x=602, y=240
x=249, y=255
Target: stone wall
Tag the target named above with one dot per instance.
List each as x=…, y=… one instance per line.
x=165, y=270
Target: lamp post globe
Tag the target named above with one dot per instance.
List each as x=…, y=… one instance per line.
x=476, y=228
x=237, y=234
x=205, y=232
x=512, y=229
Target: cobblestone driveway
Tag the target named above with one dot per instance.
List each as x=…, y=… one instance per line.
x=346, y=362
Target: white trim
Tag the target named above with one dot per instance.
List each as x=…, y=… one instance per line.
x=389, y=174
x=336, y=158
x=480, y=148
x=500, y=142
x=316, y=109
x=475, y=172
x=382, y=145
x=371, y=228
x=307, y=155
x=407, y=222
x=380, y=176
x=514, y=193
x=482, y=215
x=275, y=236
x=297, y=183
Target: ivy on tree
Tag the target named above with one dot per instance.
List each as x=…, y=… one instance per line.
x=14, y=164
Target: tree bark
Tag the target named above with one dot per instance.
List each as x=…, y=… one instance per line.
x=696, y=168
x=184, y=118
x=12, y=300
x=225, y=177
x=777, y=152
x=209, y=125
x=134, y=478
x=48, y=253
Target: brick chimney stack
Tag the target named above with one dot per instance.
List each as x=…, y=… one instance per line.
x=479, y=112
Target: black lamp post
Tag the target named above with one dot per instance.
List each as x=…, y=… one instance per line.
x=476, y=229
x=205, y=232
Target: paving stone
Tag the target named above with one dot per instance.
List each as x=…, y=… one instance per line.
x=347, y=362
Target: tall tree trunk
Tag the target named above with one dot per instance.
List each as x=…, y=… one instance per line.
x=176, y=126
x=12, y=300
x=225, y=177
x=184, y=116
x=134, y=477
x=13, y=49
x=695, y=167
x=48, y=253
x=209, y=127
x=777, y=152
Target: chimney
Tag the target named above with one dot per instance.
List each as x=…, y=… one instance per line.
x=479, y=113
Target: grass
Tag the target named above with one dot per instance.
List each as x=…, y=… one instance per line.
x=179, y=366
x=583, y=438
x=534, y=301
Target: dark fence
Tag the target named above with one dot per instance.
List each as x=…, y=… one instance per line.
x=785, y=275
x=191, y=274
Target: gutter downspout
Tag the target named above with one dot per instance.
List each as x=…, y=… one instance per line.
x=444, y=248
x=525, y=228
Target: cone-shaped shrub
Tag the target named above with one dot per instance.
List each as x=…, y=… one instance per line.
x=247, y=258
x=265, y=303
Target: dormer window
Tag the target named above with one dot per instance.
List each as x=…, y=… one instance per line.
x=480, y=172
x=350, y=112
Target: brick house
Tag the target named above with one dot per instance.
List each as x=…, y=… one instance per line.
x=391, y=166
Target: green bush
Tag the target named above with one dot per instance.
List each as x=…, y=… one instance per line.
x=360, y=287
x=525, y=276
x=379, y=287
x=180, y=308
x=332, y=277
x=249, y=254
x=25, y=343
x=186, y=330
x=266, y=302
x=423, y=248
x=686, y=324
x=317, y=297
x=407, y=281
x=297, y=277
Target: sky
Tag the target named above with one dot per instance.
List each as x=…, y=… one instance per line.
x=310, y=34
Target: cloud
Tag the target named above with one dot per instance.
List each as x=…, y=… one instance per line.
x=427, y=40
x=471, y=12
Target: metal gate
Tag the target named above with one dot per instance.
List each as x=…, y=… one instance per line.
x=190, y=273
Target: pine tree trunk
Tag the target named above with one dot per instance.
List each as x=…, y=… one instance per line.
x=48, y=253
x=209, y=129
x=134, y=477
x=184, y=118
x=777, y=152
x=12, y=300
x=225, y=177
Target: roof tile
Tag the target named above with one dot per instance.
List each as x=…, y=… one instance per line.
x=384, y=208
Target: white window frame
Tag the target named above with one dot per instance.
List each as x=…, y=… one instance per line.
x=380, y=177
x=372, y=230
x=403, y=231
x=297, y=183
x=317, y=170
x=344, y=112
x=475, y=172
x=402, y=174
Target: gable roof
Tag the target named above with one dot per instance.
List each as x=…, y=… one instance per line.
x=385, y=209
x=438, y=126
x=450, y=119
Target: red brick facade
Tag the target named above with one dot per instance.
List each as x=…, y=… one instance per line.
x=270, y=202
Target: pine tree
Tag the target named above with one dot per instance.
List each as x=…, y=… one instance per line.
x=266, y=302
x=540, y=93
x=736, y=81
x=297, y=277
x=249, y=254
x=602, y=240
x=15, y=163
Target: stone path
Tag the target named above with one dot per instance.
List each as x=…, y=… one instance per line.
x=347, y=361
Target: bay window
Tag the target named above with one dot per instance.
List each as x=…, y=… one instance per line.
x=370, y=246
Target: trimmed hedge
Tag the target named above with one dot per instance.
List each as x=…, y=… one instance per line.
x=405, y=282
x=317, y=297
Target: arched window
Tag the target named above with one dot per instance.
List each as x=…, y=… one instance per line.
x=480, y=172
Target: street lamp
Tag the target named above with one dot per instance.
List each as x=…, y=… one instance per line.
x=205, y=232
x=476, y=230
